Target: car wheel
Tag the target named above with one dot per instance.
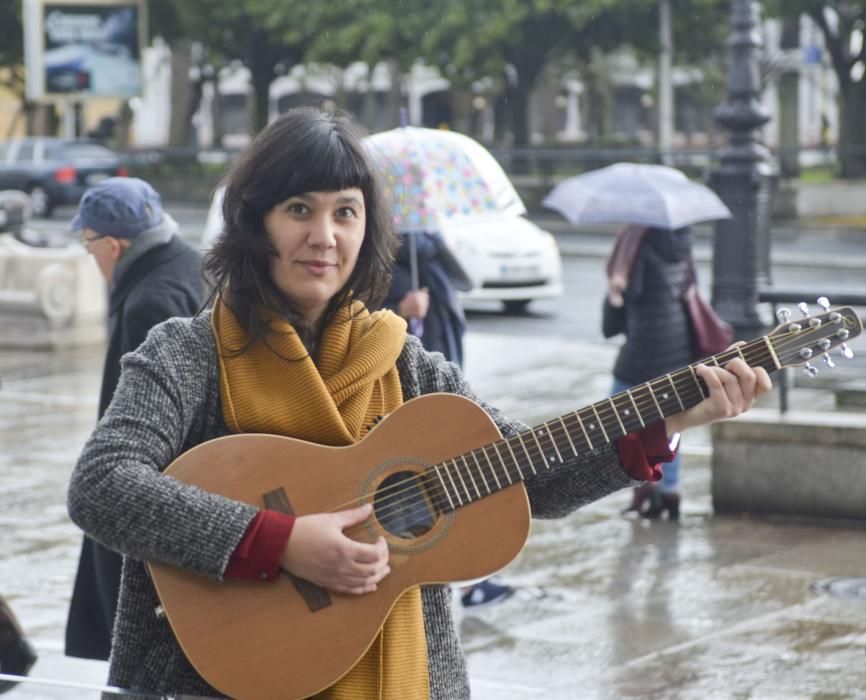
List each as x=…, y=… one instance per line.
x=40, y=202
x=516, y=306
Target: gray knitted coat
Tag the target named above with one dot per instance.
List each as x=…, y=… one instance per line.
x=168, y=400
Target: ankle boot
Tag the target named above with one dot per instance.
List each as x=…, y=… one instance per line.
x=641, y=497
x=664, y=503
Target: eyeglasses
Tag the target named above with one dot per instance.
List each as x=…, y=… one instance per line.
x=87, y=241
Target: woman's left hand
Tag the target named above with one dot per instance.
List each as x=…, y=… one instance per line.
x=733, y=390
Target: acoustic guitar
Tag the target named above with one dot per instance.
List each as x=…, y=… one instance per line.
x=448, y=496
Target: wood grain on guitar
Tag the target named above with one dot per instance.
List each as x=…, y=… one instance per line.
x=448, y=496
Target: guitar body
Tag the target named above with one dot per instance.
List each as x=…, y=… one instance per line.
x=290, y=639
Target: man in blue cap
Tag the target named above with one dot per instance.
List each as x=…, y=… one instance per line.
x=153, y=274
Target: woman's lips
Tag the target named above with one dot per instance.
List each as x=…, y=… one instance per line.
x=317, y=267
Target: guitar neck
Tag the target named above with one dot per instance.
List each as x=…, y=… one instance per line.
x=490, y=468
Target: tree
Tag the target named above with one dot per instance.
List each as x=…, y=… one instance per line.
x=842, y=24
x=372, y=31
x=510, y=41
x=262, y=34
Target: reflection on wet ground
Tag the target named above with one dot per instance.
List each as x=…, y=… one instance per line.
x=606, y=607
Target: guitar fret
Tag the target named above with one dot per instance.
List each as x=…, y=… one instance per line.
x=444, y=488
x=772, y=352
x=460, y=476
x=540, y=450
x=697, y=382
x=432, y=490
x=568, y=436
x=490, y=464
x=627, y=421
x=504, y=465
x=514, y=457
x=469, y=472
x=528, y=456
x=676, y=393
x=545, y=430
x=481, y=471
x=655, y=401
x=583, y=428
x=636, y=409
x=616, y=414
x=454, y=484
x=600, y=424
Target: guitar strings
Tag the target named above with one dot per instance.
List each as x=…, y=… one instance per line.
x=688, y=395
x=605, y=414
x=750, y=352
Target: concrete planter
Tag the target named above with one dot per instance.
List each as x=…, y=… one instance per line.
x=49, y=297
x=805, y=463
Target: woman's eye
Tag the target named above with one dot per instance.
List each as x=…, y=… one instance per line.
x=297, y=208
x=346, y=212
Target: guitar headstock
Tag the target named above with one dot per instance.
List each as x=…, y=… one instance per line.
x=799, y=341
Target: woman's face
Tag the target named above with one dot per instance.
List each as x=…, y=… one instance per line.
x=317, y=236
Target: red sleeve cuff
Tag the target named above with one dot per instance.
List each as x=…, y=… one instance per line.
x=643, y=453
x=257, y=556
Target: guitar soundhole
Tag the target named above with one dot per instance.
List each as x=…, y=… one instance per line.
x=401, y=507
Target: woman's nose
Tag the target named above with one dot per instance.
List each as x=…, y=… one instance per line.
x=321, y=232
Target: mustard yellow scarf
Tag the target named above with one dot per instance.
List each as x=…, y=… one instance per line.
x=282, y=391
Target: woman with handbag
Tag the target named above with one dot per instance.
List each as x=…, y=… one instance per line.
x=648, y=274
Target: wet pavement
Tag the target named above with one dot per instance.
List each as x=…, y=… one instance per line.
x=606, y=607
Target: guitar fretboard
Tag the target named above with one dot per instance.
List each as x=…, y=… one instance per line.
x=490, y=468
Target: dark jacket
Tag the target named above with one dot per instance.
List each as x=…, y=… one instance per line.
x=164, y=281
x=658, y=336
x=443, y=328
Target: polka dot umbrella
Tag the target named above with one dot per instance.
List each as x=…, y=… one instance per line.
x=435, y=175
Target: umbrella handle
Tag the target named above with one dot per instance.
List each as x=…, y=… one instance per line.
x=413, y=259
x=416, y=327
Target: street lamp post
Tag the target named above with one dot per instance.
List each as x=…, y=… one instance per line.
x=743, y=179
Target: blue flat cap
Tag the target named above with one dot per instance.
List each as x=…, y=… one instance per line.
x=122, y=207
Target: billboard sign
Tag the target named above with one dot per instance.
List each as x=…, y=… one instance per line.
x=83, y=49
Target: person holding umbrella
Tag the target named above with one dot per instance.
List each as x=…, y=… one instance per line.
x=648, y=273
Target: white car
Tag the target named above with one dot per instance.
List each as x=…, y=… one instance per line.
x=507, y=257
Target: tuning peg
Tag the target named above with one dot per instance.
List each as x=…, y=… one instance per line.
x=824, y=303
x=842, y=334
x=804, y=308
x=783, y=315
x=806, y=353
x=846, y=352
x=810, y=370
x=829, y=360
x=824, y=344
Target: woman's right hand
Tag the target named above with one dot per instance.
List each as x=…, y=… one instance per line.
x=319, y=552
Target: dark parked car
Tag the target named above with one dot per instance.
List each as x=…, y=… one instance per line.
x=55, y=171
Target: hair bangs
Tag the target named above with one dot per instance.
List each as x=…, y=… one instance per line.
x=323, y=162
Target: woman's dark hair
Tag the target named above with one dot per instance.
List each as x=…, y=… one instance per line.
x=304, y=150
